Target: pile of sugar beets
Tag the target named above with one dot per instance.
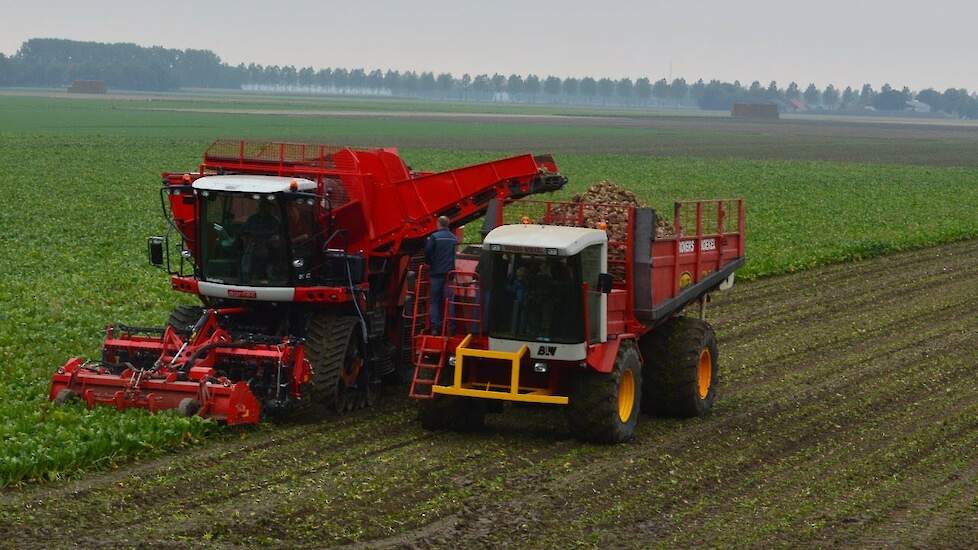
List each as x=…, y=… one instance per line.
x=601, y=203
x=597, y=204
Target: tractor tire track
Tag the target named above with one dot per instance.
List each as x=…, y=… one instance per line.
x=607, y=472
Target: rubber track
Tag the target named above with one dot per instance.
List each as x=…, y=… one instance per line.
x=326, y=340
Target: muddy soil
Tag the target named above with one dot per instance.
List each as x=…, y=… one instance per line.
x=848, y=416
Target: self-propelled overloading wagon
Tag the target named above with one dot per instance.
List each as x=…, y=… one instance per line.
x=582, y=309
x=299, y=255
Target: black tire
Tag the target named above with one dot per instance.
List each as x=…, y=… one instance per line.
x=328, y=348
x=64, y=397
x=598, y=401
x=447, y=412
x=673, y=353
x=183, y=319
x=188, y=406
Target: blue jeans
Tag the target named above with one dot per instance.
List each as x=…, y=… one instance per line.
x=485, y=295
x=436, y=305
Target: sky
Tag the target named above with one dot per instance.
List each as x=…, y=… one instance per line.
x=842, y=42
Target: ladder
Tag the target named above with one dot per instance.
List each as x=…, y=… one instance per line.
x=429, y=362
x=463, y=304
x=462, y=308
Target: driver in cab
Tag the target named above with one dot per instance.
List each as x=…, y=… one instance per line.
x=262, y=244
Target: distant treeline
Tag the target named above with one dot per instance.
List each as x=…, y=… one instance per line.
x=56, y=62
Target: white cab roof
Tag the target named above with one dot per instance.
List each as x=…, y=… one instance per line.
x=253, y=184
x=536, y=239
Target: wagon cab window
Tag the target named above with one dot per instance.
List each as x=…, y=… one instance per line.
x=535, y=298
x=590, y=273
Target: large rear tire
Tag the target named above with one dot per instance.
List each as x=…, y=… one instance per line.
x=604, y=408
x=682, y=368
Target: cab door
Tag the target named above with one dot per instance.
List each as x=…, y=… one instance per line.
x=594, y=262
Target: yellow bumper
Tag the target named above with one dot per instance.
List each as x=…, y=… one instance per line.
x=512, y=392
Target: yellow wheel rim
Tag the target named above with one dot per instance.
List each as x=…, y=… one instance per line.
x=705, y=372
x=626, y=395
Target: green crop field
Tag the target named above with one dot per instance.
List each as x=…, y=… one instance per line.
x=79, y=179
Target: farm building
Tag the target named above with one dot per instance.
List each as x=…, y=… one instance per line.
x=87, y=87
x=918, y=106
x=754, y=110
x=796, y=105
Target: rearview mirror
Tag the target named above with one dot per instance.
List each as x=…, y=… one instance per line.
x=155, y=249
x=605, y=283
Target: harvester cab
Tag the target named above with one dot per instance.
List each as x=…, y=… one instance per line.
x=256, y=231
x=582, y=309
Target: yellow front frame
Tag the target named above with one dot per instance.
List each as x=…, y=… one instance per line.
x=529, y=395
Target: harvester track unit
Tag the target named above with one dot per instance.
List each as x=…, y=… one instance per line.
x=299, y=255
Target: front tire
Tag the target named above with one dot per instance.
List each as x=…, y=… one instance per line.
x=682, y=368
x=184, y=318
x=448, y=412
x=604, y=407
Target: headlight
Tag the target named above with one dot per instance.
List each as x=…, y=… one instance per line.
x=495, y=247
x=552, y=252
x=539, y=367
x=298, y=263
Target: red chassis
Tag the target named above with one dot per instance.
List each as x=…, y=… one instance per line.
x=182, y=376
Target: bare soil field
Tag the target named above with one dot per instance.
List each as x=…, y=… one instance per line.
x=848, y=417
x=500, y=127
x=420, y=115
x=889, y=141
x=840, y=126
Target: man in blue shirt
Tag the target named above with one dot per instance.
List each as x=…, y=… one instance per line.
x=439, y=254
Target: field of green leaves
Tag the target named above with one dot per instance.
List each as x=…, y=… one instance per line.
x=78, y=196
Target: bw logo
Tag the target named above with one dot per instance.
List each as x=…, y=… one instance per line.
x=547, y=350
